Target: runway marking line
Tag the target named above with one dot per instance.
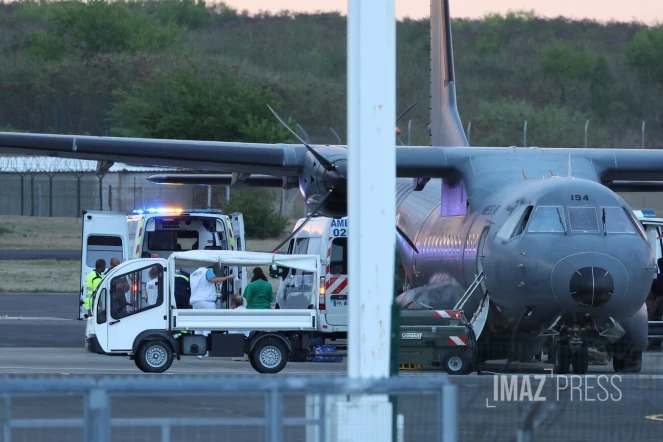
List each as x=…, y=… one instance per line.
x=655, y=417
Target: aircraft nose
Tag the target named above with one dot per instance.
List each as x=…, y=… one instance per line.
x=594, y=282
x=591, y=286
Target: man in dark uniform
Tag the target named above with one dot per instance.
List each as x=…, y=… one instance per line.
x=182, y=289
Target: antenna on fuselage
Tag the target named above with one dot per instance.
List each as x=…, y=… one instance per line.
x=569, y=165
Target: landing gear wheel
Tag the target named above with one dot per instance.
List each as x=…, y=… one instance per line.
x=154, y=357
x=629, y=363
x=562, y=360
x=581, y=360
x=457, y=364
x=269, y=356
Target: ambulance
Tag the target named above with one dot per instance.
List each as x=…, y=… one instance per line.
x=327, y=238
x=157, y=233
x=653, y=228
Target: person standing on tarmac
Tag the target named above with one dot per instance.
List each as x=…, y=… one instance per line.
x=259, y=293
x=203, y=291
x=92, y=281
x=182, y=289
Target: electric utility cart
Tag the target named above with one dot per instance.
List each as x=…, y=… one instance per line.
x=154, y=331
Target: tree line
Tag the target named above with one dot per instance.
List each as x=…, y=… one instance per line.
x=185, y=69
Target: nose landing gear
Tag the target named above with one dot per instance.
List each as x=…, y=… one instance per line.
x=569, y=349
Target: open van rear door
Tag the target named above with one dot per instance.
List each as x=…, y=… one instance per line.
x=237, y=223
x=105, y=236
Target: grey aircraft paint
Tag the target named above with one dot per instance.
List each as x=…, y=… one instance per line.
x=530, y=218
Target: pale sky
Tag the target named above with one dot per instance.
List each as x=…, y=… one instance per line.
x=645, y=11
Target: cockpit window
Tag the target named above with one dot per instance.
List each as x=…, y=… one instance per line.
x=515, y=224
x=636, y=224
x=547, y=219
x=520, y=228
x=615, y=220
x=583, y=219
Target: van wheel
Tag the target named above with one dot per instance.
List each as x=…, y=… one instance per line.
x=456, y=363
x=154, y=356
x=269, y=356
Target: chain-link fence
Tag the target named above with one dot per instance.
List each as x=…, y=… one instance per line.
x=42, y=186
x=222, y=409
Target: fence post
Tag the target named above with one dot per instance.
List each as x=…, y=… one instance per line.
x=50, y=194
x=409, y=132
x=32, y=194
x=274, y=416
x=97, y=416
x=5, y=418
x=469, y=131
x=448, y=405
x=22, y=196
x=101, y=193
x=525, y=134
x=58, y=107
x=586, y=127
x=643, y=134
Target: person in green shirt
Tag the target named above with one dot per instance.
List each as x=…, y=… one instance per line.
x=259, y=293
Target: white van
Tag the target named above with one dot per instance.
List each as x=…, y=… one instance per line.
x=327, y=238
x=158, y=233
x=653, y=228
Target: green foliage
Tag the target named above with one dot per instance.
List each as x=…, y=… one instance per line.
x=560, y=59
x=645, y=53
x=138, y=54
x=260, y=219
x=192, y=14
x=551, y=126
x=4, y=230
x=183, y=104
x=103, y=27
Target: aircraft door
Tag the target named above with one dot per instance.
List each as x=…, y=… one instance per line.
x=480, y=251
x=105, y=236
x=147, y=284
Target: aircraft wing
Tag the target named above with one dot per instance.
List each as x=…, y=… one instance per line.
x=629, y=164
x=271, y=159
x=219, y=180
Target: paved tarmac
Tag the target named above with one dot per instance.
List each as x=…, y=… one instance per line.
x=29, y=255
x=38, y=336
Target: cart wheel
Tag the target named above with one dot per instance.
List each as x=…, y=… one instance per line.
x=456, y=363
x=154, y=356
x=269, y=356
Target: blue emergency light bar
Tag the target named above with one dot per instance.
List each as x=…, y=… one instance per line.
x=648, y=213
x=173, y=210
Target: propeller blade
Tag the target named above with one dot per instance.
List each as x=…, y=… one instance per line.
x=293, y=234
x=405, y=112
x=407, y=239
x=321, y=159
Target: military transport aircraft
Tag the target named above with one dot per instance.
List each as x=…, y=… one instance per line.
x=532, y=239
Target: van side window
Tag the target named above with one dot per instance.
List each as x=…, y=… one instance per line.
x=339, y=257
x=103, y=247
x=136, y=291
x=301, y=246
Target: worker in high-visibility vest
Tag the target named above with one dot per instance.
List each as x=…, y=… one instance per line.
x=92, y=282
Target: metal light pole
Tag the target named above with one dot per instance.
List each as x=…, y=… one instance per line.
x=371, y=212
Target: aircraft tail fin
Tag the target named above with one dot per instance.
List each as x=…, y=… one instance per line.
x=446, y=128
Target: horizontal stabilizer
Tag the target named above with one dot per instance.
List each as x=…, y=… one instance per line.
x=218, y=180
